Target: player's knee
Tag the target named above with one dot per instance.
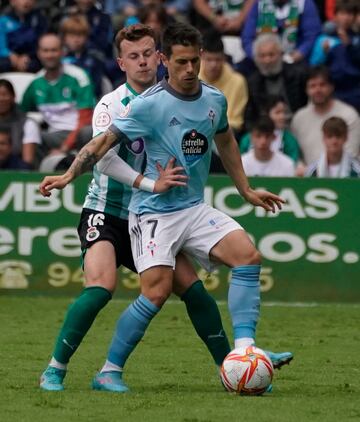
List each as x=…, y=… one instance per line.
x=251, y=257
x=157, y=295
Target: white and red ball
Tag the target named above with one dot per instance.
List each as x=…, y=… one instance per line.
x=247, y=370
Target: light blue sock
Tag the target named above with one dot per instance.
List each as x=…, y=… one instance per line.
x=130, y=328
x=244, y=300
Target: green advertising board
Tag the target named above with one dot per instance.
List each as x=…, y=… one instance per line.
x=310, y=249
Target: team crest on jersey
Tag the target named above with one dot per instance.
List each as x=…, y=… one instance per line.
x=137, y=146
x=126, y=111
x=194, y=145
x=151, y=247
x=102, y=119
x=92, y=234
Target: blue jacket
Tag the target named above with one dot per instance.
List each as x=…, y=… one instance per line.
x=309, y=28
x=344, y=67
x=20, y=37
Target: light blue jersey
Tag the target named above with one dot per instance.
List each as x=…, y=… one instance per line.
x=174, y=125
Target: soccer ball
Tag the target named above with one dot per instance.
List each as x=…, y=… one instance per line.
x=247, y=370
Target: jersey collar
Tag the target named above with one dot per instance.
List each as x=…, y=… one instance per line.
x=164, y=83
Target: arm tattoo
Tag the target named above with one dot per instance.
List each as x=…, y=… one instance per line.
x=86, y=159
x=83, y=163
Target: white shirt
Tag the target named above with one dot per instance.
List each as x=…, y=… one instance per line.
x=306, y=127
x=280, y=165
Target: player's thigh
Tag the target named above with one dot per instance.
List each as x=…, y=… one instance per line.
x=184, y=275
x=156, y=283
x=234, y=249
x=100, y=265
x=100, y=237
x=155, y=239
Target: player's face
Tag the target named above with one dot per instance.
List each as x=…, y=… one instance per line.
x=183, y=67
x=139, y=59
x=50, y=52
x=212, y=64
x=319, y=90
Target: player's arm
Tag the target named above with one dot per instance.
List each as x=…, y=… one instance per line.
x=115, y=167
x=89, y=155
x=231, y=159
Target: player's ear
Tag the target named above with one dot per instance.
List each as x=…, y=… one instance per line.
x=164, y=59
x=158, y=56
x=120, y=63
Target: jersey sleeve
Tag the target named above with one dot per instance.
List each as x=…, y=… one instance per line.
x=103, y=116
x=223, y=122
x=134, y=122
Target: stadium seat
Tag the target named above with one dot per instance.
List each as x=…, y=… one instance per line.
x=20, y=81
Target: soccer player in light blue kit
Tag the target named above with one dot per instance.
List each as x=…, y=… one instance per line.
x=180, y=118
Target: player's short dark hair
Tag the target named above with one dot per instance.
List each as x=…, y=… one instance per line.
x=7, y=85
x=212, y=42
x=179, y=33
x=263, y=125
x=320, y=71
x=335, y=126
x=133, y=33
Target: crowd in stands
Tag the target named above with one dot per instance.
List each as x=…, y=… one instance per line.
x=290, y=70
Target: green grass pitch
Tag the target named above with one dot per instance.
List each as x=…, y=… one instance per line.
x=171, y=374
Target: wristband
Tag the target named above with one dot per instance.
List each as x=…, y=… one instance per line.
x=147, y=185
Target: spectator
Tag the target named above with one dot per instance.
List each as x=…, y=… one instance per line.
x=297, y=22
x=307, y=122
x=25, y=133
x=273, y=76
x=226, y=17
x=285, y=142
x=215, y=71
x=62, y=93
x=334, y=31
x=261, y=160
x=343, y=62
x=334, y=161
x=101, y=32
x=155, y=16
x=75, y=31
x=125, y=12
x=8, y=160
x=20, y=29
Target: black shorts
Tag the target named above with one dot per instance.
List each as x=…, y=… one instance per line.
x=95, y=226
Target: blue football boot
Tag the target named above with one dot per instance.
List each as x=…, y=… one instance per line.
x=52, y=379
x=109, y=381
x=279, y=359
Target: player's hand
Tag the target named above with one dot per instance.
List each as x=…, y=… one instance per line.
x=53, y=182
x=169, y=177
x=262, y=198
